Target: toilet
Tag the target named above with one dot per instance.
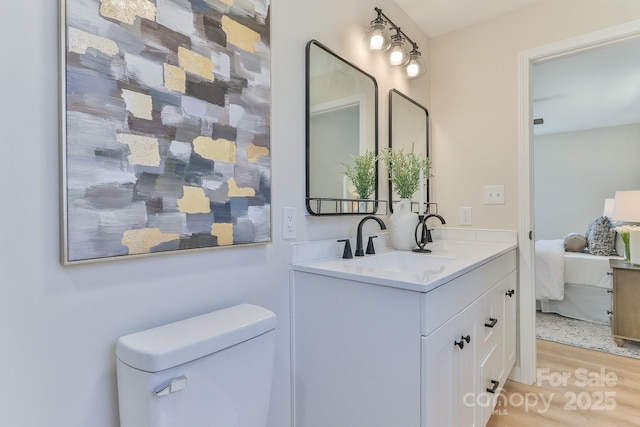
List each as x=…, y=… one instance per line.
x=212, y=370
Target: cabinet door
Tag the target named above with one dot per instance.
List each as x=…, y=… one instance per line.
x=440, y=376
x=469, y=332
x=450, y=373
x=510, y=297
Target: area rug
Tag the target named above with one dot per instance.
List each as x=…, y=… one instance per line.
x=594, y=336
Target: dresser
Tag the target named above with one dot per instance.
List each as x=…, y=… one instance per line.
x=625, y=324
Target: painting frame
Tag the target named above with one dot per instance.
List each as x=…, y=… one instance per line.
x=165, y=116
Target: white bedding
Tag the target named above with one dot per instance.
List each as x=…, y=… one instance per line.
x=549, y=269
x=587, y=269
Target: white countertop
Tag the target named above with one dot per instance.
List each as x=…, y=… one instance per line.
x=449, y=259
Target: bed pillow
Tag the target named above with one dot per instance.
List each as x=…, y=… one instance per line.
x=600, y=237
x=575, y=243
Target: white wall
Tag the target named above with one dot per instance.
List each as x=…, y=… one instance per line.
x=474, y=80
x=58, y=325
x=575, y=172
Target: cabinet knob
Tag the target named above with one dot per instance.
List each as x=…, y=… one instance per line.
x=492, y=323
x=510, y=293
x=462, y=340
x=494, y=387
x=609, y=312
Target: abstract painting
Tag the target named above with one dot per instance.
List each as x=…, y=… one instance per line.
x=165, y=126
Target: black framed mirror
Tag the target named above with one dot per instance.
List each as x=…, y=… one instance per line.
x=341, y=122
x=408, y=125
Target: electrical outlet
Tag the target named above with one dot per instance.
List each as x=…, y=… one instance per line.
x=494, y=195
x=289, y=226
x=465, y=216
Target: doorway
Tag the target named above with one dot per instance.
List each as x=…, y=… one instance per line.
x=525, y=370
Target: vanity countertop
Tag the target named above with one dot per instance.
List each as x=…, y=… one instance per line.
x=422, y=272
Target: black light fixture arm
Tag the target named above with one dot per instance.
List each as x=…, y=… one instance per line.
x=395, y=27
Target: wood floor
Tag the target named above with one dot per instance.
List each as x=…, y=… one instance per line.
x=575, y=387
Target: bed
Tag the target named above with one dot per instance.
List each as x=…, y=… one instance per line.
x=572, y=284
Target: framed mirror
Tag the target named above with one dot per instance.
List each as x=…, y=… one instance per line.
x=341, y=122
x=408, y=125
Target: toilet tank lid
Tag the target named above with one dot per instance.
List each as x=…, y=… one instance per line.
x=170, y=345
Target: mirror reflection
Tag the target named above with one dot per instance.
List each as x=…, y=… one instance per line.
x=408, y=126
x=342, y=122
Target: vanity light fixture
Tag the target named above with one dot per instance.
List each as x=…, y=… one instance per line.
x=397, y=44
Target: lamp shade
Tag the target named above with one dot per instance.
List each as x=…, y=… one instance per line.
x=415, y=67
x=378, y=36
x=626, y=206
x=398, y=52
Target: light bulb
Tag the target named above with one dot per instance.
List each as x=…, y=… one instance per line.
x=396, y=57
x=376, y=42
x=416, y=66
x=413, y=69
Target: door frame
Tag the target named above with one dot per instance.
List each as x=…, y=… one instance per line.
x=525, y=370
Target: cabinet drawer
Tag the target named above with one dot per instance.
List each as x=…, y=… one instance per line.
x=490, y=377
x=490, y=321
x=452, y=297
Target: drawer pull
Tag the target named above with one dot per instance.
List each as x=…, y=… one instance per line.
x=459, y=344
x=609, y=291
x=467, y=338
x=609, y=312
x=495, y=386
x=492, y=322
x=510, y=293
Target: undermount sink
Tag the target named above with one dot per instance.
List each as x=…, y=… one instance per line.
x=401, y=262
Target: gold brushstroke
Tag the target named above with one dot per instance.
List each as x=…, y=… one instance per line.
x=127, y=10
x=144, y=150
x=175, y=78
x=141, y=241
x=240, y=35
x=254, y=152
x=195, y=63
x=224, y=233
x=221, y=150
x=80, y=41
x=235, y=191
x=139, y=104
x=193, y=201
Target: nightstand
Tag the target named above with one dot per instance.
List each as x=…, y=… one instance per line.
x=625, y=324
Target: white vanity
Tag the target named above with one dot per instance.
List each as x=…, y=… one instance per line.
x=403, y=339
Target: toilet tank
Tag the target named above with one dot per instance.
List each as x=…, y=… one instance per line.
x=212, y=370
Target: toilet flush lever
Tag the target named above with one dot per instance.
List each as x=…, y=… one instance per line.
x=171, y=386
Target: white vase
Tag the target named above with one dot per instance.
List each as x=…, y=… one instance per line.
x=403, y=224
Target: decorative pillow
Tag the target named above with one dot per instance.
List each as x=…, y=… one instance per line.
x=575, y=243
x=600, y=237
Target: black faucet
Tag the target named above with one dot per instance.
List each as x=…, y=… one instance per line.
x=359, y=249
x=429, y=238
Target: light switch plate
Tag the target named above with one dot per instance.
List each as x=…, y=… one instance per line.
x=494, y=195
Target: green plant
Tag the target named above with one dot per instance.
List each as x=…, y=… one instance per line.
x=362, y=173
x=404, y=170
